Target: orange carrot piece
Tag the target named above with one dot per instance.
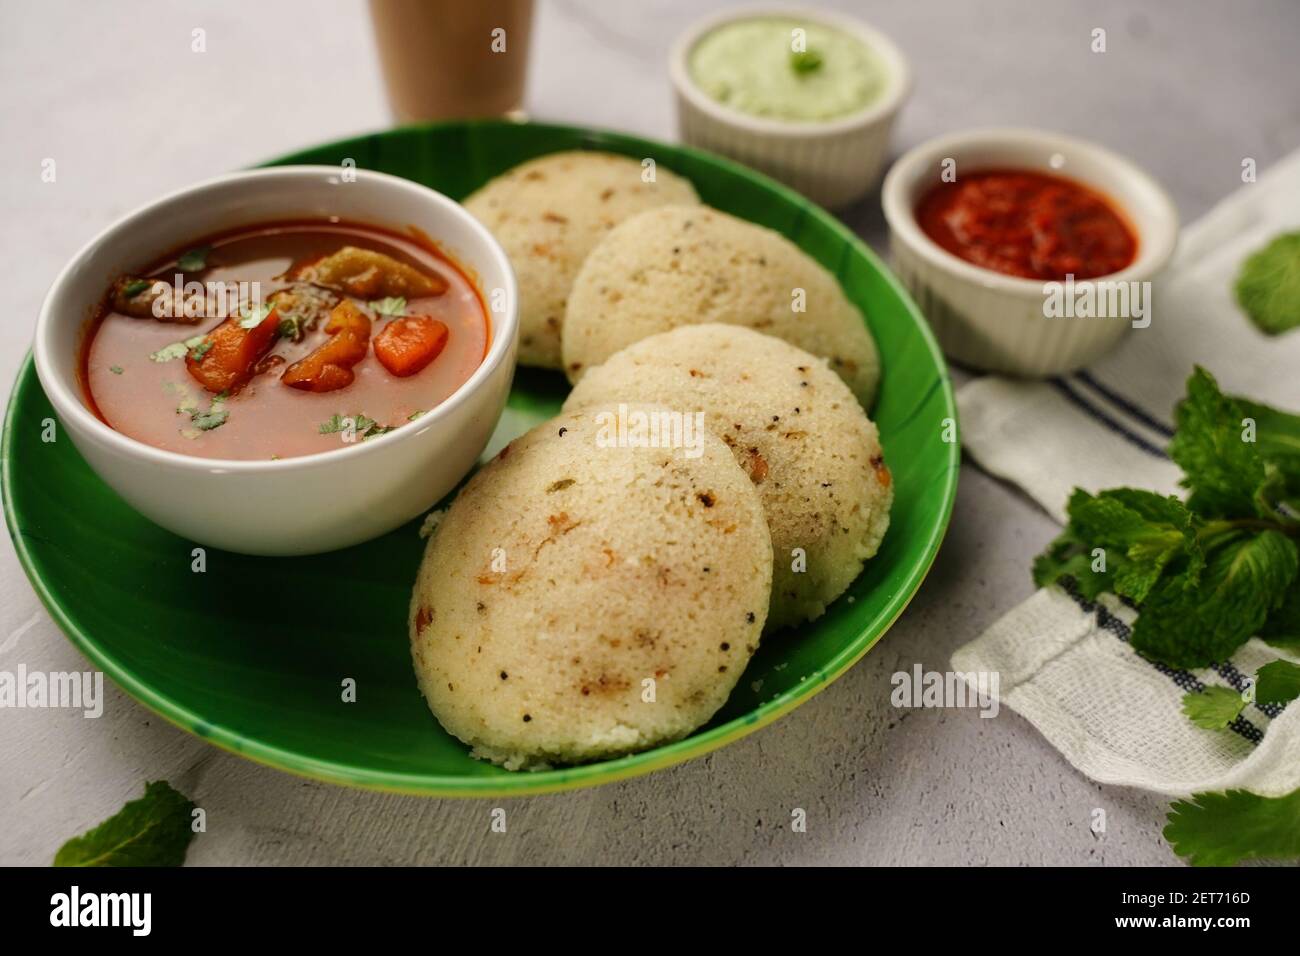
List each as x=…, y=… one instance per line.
x=329, y=366
x=230, y=351
x=407, y=344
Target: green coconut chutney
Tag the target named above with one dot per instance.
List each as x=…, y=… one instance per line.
x=759, y=66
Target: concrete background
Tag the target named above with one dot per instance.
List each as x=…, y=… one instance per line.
x=113, y=93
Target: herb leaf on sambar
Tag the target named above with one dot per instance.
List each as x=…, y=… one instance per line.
x=195, y=260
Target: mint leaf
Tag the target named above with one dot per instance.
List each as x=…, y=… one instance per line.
x=1277, y=683
x=1067, y=557
x=1268, y=286
x=1140, y=534
x=1148, y=529
x=154, y=830
x=1221, y=829
x=1222, y=470
x=194, y=260
x=1245, y=577
x=1213, y=708
x=1282, y=626
x=1277, y=433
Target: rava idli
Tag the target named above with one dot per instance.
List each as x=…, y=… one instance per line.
x=549, y=213
x=686, y=265
x=587, y=596
x=795, y=428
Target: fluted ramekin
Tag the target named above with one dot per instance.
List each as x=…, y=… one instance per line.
x=832, y=162
x=995, y=322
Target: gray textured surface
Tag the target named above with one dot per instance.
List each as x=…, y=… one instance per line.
x=113, y=93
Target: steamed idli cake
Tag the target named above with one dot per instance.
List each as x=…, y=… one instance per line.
x=685, y=265
x=548, y=214
x=568, y=580
x=796, y=429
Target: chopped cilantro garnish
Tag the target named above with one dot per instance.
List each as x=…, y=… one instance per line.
x=135, y=287
x=203, y=421
x=115, y=369
x=194, y=260
x=362, y=426
x=1213, y=708
x=805, y=61
x=206, y=421
x=390, y=306
x=200, y=350
x=176, y=350
x=290, y=327
x=414, y=415
x=336, y=424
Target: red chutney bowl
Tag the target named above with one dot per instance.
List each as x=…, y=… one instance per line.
x=1030, y=253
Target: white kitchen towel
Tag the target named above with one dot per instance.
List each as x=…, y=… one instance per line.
x=1065, y=663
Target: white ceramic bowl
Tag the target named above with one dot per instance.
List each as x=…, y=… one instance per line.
x=995, y=322
x=832, y=162
x=295, y=505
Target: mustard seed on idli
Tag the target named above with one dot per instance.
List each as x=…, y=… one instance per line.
x=549, y=213
x=796, y=429
x=686, y=265
x=586, y=595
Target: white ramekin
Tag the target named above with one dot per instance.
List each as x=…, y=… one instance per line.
x=832, y=162
x=996, y=322
x=295, y=505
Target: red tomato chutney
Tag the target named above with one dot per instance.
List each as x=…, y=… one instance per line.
x=282, y=340
x=1028, y=224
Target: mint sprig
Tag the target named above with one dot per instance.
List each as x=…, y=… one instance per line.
x=1208, y=574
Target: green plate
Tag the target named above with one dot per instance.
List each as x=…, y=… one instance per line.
x=251, y=654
